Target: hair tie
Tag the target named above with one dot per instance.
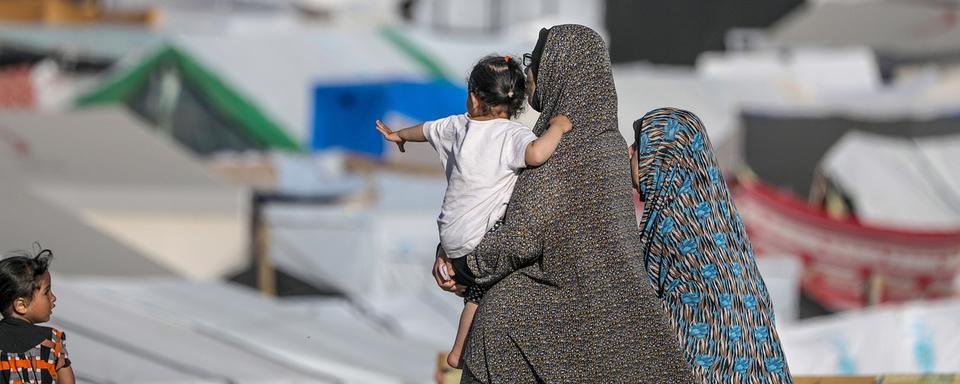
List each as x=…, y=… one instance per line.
x=510, y=94
x=506, y=59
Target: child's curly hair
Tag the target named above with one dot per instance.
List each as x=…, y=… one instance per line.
x=498, y=82
x=20, y=275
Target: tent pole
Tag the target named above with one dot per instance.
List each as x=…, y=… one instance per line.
x=260, y=248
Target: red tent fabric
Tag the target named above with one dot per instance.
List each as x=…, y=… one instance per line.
x=841, y=256
x=16, y=88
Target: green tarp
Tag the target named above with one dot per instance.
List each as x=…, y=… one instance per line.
x=231, y=106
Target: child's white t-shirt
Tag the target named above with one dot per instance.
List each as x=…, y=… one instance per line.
x=481, y=160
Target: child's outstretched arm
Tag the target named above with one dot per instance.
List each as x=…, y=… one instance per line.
x=414, y=134
x=540, y=150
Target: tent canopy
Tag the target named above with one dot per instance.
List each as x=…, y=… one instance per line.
x=109, y=170
x=180, y=95
x=96, y=42
x=915, y=338
x=900, y=31
x=842, y=258
x=379, y=250
x=79, y=249
x=785, y=150
x=899, y=182
x=254, y=91
x=244, y=325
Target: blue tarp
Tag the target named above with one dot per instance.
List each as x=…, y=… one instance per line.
x=344, y=114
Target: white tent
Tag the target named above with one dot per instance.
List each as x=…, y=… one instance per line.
x=295, y=63
x=363, y=251
x=79, y=249
x=111, y=171
x=642, y=88
x=429, y=316
x=112, y=340
x=781, y=274
x=101, y=42
x=909, y=31
x=909, y=183
x=234, y=327
x=915, y=338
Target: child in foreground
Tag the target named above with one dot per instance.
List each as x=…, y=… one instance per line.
x=482, y=152
x=30, y=353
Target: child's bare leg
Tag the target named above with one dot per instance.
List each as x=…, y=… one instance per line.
x=466, y=318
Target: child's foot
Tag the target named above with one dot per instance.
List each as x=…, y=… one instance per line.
x=453, y=359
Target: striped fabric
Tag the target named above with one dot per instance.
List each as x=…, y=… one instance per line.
x=698, y=257
x=37, y=365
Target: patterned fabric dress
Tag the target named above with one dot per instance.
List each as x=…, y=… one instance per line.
x=571, y=303
x=37, y=365
x=698, y=257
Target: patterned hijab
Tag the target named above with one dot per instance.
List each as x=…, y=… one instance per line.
x=575, y=78
x=664, y=138
x=688, y=203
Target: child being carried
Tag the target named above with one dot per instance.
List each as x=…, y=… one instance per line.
x=482, y=152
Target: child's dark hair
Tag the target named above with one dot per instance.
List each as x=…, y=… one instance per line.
x=499, y=84
x=20, y=276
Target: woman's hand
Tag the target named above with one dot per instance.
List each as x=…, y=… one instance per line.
x=391, y=135
x=443, y=274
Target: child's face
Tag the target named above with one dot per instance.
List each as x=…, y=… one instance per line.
x=41, y=305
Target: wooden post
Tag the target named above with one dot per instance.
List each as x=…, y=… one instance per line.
x=874, y=289
x=260, y=248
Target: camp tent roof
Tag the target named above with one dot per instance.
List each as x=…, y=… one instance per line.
x=428, y=316
x=362, y=251
x=900, y=30
x=899, y=182
x=341, y=350
x=784, y=150
x=842, y=257
x=907, y=339
x=818, y=81
x=279, y=71
x=262, y=84
x=110, y=170
x=642, y=88
x=79, y=248
x=236, y=120
x=137, y=345
x=102, y=146
x=100, y=42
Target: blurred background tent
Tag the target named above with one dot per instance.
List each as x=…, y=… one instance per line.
x=902, y=33
x=907, y=339
x=177, y=154
x=897, y=182
x=109, y=170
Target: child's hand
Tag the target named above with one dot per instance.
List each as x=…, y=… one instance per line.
x=561, y=122
x=391, y=135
